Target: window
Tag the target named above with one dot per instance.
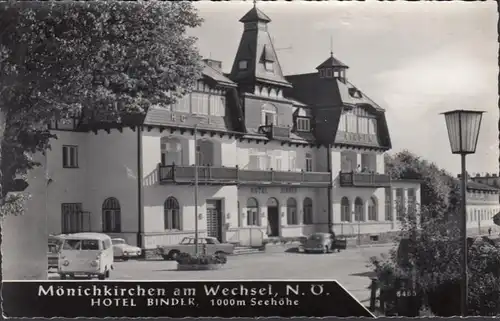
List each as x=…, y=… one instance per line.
x=172, y=216
x=343, y=123
x=73, y=219
x=199, y=103
x=400, y=205
x=309, y=162
x=292, y=161
x=269, y=66
x=329, y=73
x=183, y=104
x=345, y=213
x=303, y=124
x=70, y=156
x=278, y=166
x=217, y=105
x=171, y=151
x=253, y=212
x=359, y=214
x=253, y=162
x=291, y=212
x=351, y=122
x=388, y=204
x=243, y=64
x=269, y=118
x=372, y=209
x=412, y=200
x=372, y=126
x=322, y=73
x=308, y=211
x=111, y=215
x=363, y=125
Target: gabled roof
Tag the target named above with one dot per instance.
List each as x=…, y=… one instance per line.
x=255, y=15
x=332, y=62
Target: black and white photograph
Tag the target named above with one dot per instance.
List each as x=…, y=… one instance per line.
x=203, y=159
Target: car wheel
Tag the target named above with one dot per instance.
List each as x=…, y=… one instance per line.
x=165, y=257
x=108, y=272
x=172, y=255
x=62, y=276
x=124, y=258
x=101, y=276
x=222, y=256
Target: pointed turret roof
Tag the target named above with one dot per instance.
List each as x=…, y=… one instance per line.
x=332, y=62
x=255, y=15
x=256, y=52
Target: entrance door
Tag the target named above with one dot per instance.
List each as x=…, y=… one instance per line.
x=273, y=217
x=273, y=221
x=214, y=219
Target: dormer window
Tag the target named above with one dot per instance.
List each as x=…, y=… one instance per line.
x=322, y=73
x=303, y=124
x=328, y=73
x=243, y=65
x=269, y=66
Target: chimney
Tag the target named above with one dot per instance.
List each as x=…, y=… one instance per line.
x=494, y=175
x=487, y=175
x=478, y=175
x=216, y=64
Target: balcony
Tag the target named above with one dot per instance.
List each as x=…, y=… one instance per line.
x=275, y=132
x=211, y=175
x=353, y=179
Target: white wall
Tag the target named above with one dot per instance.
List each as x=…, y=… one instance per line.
x=24, y=237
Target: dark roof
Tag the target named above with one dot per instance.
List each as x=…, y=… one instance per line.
x=332, y=62
x=256, y=44
x=255, y=15
x=481, y=187
x=217, y=76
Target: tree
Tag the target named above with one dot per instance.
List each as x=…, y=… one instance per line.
x=439, y=189
x=98, y=61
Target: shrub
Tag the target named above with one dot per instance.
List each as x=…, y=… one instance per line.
x=200, y=259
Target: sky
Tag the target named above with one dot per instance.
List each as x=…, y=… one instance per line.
x=415, y=59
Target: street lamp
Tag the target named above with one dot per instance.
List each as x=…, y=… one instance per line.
x=463, y=132
x=197, y=119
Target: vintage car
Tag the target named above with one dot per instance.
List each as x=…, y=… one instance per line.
x=124, y=251
x=318, y=242
x=207, y=245
x=54, y=245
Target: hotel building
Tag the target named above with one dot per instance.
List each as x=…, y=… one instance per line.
x=277, y=156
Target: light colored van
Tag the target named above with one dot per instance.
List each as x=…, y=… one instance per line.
x=86, y=254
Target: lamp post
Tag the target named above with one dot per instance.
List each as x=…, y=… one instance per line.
x=197, y=118
x=463, y=132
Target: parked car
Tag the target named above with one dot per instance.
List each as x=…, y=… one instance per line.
x=318, y=242
x=124, y=251
x=54, y=245
x=208, y=245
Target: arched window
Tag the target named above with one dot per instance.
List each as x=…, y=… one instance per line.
x=291, y=212
x=171, y=151
x=172, y=215
x=372, y=209
x=111, y=216
x=307, y=211
x=345, y=215
x=253, y=212
x=359, y=210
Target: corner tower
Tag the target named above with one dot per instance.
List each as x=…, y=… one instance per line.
x=256, y=62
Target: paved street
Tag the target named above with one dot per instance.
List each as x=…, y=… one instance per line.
x=348, y=267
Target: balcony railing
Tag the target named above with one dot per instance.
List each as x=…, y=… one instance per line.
x=233, y=175
x=353, y=179
x=275, y=132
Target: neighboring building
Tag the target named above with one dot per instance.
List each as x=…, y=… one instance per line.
x=278, y=156
x=482, y=204
x=487, y=179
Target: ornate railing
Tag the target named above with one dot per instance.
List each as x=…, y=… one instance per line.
x=354, y=179
x=233, y=175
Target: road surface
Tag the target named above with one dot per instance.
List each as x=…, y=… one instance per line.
x=349, y=267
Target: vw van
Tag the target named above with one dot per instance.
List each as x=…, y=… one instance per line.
x=85, y=254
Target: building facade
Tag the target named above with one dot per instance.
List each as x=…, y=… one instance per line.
x=275, y=156
x=482, y=205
